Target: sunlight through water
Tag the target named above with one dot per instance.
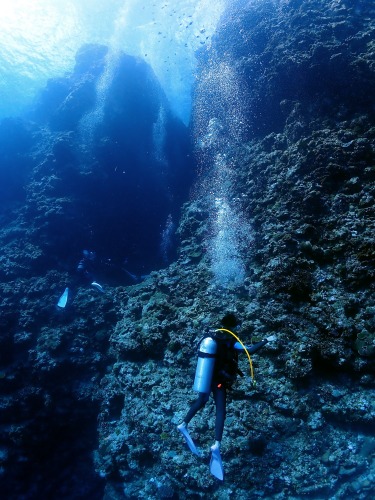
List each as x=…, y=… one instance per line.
x=39, y=40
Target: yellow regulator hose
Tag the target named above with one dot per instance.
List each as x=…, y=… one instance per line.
x=247, y=352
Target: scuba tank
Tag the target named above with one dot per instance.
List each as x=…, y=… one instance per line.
x=205, y=365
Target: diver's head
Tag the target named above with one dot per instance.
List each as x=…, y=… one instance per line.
x=89, y=255
x=229, y=321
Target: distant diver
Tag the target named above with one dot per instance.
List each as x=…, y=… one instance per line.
x=88, y=266
x=216, y=371
x=85, y=266
x=89, y=262
x=85, y=274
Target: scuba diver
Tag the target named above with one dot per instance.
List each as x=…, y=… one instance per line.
x=216, y=371
x=85, y=269
x=89, y=261
x=85, y=266
x=89, y=265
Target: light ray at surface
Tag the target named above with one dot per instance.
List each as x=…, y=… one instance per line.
x=39, y=39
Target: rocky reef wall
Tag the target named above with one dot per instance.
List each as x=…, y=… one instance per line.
x=100, y=164
x=302, y=174
x=108, y=379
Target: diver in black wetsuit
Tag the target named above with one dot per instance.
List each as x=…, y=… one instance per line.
x=85, y=267
x=85, y=270
x=84, y=275
x=217, y=369
x=88, y=263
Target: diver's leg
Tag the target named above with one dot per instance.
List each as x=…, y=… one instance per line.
x=195, y=407
x=220, y=398
x=216, y=465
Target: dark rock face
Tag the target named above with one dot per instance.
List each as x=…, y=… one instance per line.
x=65, y=100
x=15, y=144
x=108, y=185
x=307, y=171
x=302, y=172
x=302, y=168
x=301, y=51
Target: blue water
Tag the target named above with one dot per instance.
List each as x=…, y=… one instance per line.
x=39, y=43
x=104, y=157
x=39, y=40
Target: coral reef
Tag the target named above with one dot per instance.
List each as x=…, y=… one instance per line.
x=112, y=374
x=304, y=172
x=59, y=200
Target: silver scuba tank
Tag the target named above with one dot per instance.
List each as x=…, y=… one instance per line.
x=205, y=365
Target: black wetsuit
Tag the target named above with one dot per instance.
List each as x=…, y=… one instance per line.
x=85, y=269
x=221, y=381
x=220, y=398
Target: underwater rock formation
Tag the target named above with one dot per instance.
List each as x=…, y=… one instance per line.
x=62, y=194
x=108, y=185
x=302, y=171
x=121, y=364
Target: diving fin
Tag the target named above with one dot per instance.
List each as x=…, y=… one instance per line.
x=183, y=429
x=63, y=299
x=216, y=465
x=99, y=287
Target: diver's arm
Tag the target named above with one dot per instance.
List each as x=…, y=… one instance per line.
x=255, y=347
